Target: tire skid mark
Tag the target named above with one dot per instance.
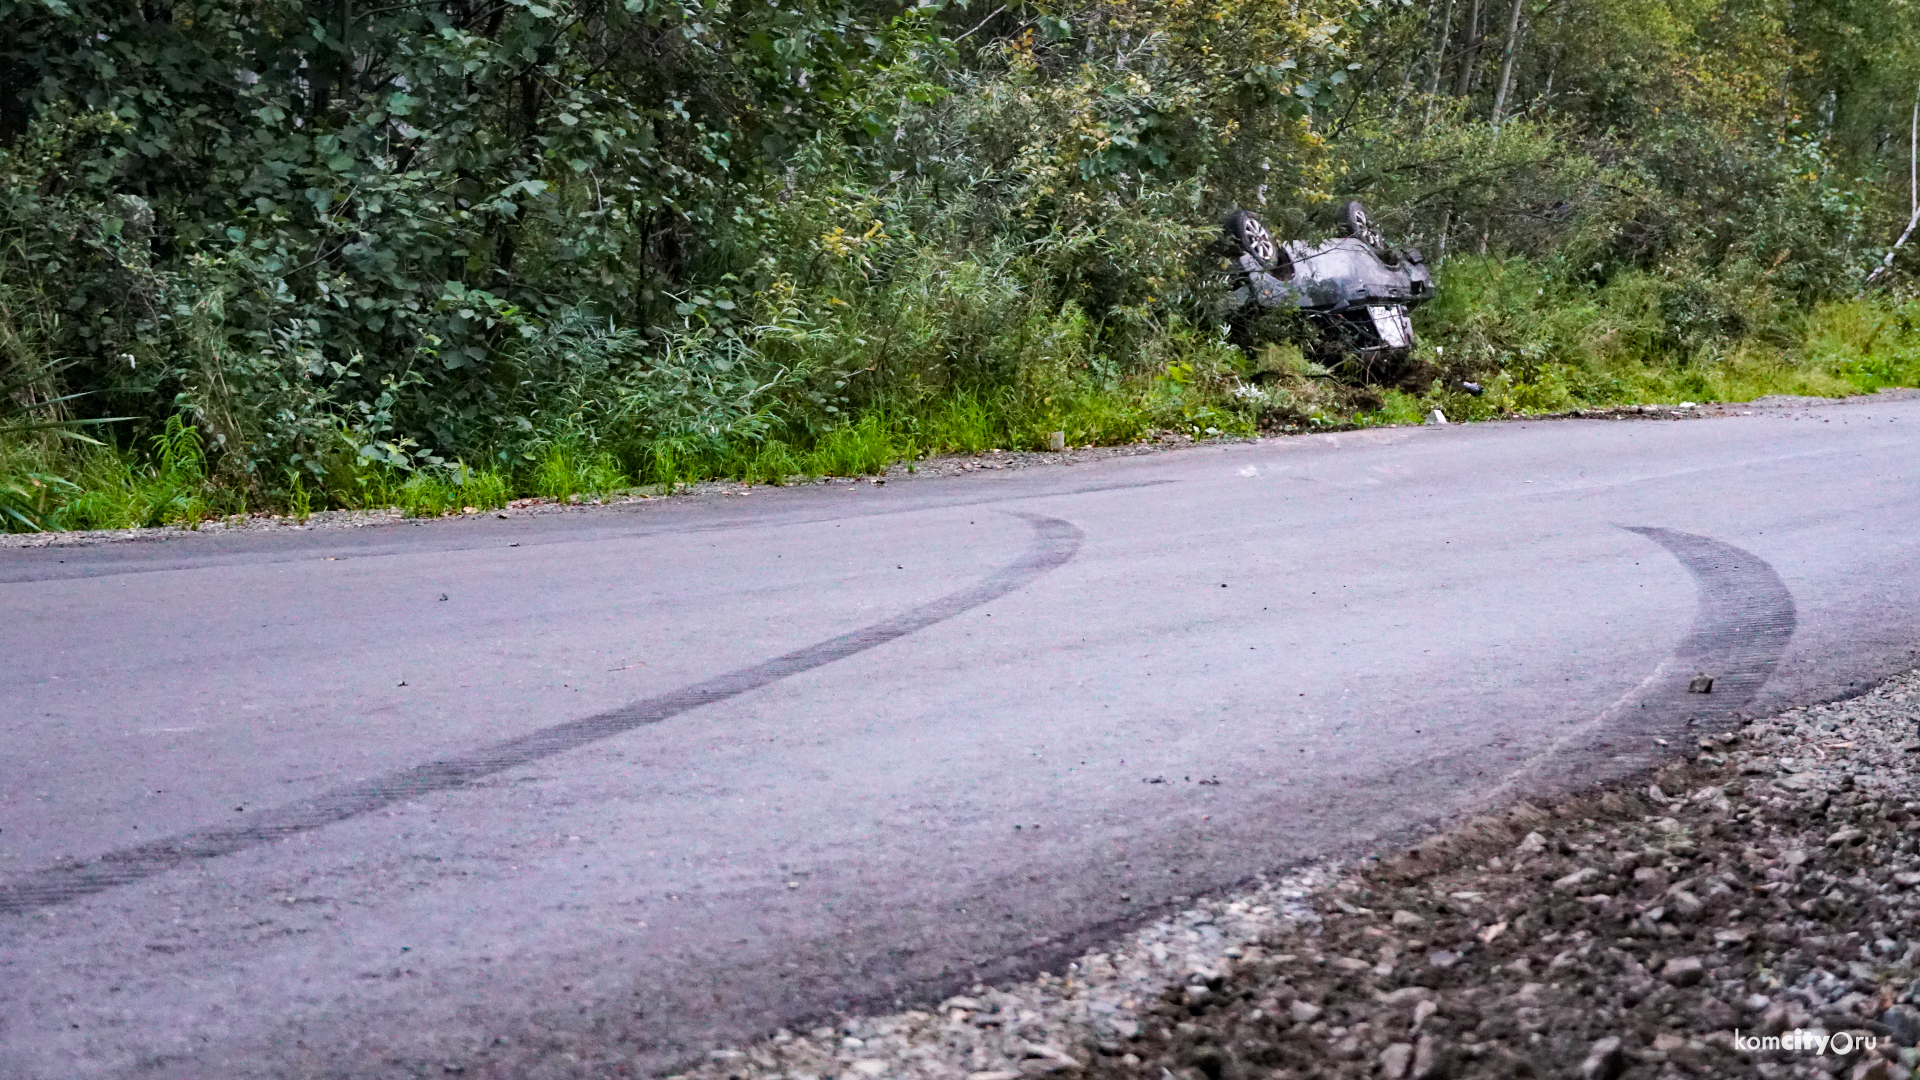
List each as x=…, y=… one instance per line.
x=1054, y=543
x=30, y=569
x=1745, y=620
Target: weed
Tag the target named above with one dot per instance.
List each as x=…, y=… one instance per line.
x=299, y=499
x=858, y=449
x=964, y=422
x=437, y=491
x=568, y=468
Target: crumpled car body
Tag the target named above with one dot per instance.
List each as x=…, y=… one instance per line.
x=1356, y=287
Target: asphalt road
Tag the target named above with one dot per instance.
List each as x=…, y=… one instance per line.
x=580, y=795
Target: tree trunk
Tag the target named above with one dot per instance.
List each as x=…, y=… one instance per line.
x=1440, y=48
x=1506, y=64
x=1469, y=50
x=1913, y=194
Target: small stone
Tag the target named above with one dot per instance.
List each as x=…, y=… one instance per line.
x=1846, y=838
x=1701, y=684
x=1046, y=1060
x=1903, y=1024
x=1604, y=1061
x=1442, y=958
x=1395, y=1060
x=1532, y=844
x=994, y=1074
x=1404, y=995
x=1874, y=1069
x=1303, y=1012
x=1423, y=1011
x=1426, y=1063
x=1576, y=879
x=1352, y=964
x=870, y=1067
x=1407, y=919
x=1684, y=971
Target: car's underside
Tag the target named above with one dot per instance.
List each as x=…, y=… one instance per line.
x=1355, y=289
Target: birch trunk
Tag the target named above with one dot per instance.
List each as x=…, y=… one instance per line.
x=1506, y=64
x=1913, y=194
x=1440, y=48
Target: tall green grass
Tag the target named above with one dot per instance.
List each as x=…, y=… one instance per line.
x=1533, y=343
x=1537, y=344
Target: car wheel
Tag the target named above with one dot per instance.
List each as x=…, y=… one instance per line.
x=1252, y=237
x=1354, y=221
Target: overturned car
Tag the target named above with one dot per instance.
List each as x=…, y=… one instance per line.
x=1355, y=289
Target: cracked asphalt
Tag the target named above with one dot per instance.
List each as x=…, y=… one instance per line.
x=588, y=794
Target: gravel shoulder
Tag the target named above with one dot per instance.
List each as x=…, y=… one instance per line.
x=1766, y=887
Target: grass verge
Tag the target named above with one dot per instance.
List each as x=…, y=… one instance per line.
x=1503, y=339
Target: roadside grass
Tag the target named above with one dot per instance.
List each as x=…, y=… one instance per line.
x=1533, y=346
x=1539, y=346
x=570, y=468
x=113, y=488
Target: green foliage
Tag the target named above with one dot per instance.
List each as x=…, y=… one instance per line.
x=863, y=447
x=118, y=490
x=1538, y=344
x=570, y=468
x=587, y=243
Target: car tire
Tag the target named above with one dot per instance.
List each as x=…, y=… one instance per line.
x=1353, y=220
x=1250, y=236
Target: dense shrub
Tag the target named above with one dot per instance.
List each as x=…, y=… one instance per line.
x=434, y=255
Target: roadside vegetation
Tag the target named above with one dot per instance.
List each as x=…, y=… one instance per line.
x=306, y=254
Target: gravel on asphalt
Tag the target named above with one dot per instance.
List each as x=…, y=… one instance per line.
x=1752, y=910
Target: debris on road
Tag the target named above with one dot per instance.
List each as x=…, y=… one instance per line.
x=1753, y=911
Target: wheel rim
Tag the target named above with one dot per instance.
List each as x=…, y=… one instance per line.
x=1258, y=241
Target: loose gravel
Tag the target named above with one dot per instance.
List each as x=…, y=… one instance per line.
x=1767, y=888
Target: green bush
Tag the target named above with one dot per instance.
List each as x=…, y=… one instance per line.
x=582, y=244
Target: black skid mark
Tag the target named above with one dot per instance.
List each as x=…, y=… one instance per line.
x=1054, y=543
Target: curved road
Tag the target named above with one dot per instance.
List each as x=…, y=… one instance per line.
x=580, y=795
